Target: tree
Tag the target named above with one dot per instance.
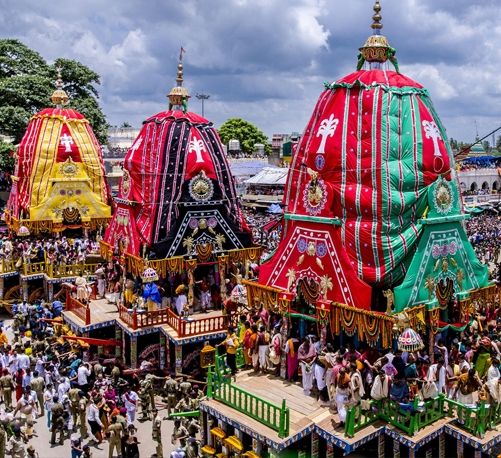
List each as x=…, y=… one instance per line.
x=487, y=146
x=245, y=132
x=27, y=82
x=7, y=157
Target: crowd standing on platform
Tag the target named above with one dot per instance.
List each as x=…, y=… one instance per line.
x=56, y=251
x=463, y=365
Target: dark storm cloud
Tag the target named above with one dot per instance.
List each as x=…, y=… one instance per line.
x=265, y=60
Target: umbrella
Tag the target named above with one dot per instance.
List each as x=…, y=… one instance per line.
x=23, y=231
x=149, y=275
x=410, y=340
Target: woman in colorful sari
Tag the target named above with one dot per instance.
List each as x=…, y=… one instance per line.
x=291, y=349
x=482, y=356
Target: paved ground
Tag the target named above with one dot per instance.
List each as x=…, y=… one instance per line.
x=41, y=438
x=146, y=447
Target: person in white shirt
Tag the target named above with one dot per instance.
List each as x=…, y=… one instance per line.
x=13, y=364
x=464, y=366
x=181, y=302
x=48, y=398
x=436, y=374
x=94, y=421
x=23, y=361
x=82, y=377
x=129, y=399
x=63, y=387
x=40, y=366
x=493, y=371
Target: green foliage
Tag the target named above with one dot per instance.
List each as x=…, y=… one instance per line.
x=27, y=82
x=7, y=157
x=487, y=146
x=245, y=132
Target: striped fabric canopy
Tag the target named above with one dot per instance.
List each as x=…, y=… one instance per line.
x=371, y=149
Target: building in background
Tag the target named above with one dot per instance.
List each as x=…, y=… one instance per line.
x=282, y=147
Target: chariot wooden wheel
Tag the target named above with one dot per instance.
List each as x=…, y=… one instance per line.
x=36, y=294
x=13, y=295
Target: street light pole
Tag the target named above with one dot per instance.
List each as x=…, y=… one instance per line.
x=203, y=98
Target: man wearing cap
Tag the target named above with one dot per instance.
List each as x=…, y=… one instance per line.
x=231, y=344
x=16, y=446
x=171, y=387
x=74, y=397
x=122, y=418
x=82, y=413
x=144, y=400
x=57, y=422
x=156, y=432
x=7, y=383
x=185, y=386
x=115, y=430
x=37, y=385
x=180, y=433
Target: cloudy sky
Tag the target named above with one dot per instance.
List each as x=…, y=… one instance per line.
x=266, y=60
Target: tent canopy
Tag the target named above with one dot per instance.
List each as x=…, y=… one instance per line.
x=269, y=176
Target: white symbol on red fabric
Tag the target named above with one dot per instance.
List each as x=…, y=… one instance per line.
x=136, y=145
x=431, y=131
x=326, y=129
x=66, y=141
x=197, y=146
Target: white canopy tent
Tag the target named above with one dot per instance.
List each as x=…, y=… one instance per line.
x=269, y=176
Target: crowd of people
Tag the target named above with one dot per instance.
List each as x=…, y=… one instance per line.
x=463, y=366
x=264, y=232
x=484, y=233
x=49, y=382
x=56, y=251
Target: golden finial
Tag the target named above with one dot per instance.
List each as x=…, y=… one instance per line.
x=59, y=96
x=376, y=49
x=178, y=96
x=376, y=25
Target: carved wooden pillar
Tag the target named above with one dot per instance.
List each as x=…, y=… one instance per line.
x=314, y=445
x=179, y=359
x=330, y=450
x=460, y=448
x=441, y=445
x=118, y=337
x=161, y=353
x=50, y=291
x=133, y=352
x=24, y=289
x=222, y=275
x=381, y=446
x=396, y=448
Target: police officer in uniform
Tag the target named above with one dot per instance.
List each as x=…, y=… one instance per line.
x=156, y=432
x=57, y=422
x=171, y=387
